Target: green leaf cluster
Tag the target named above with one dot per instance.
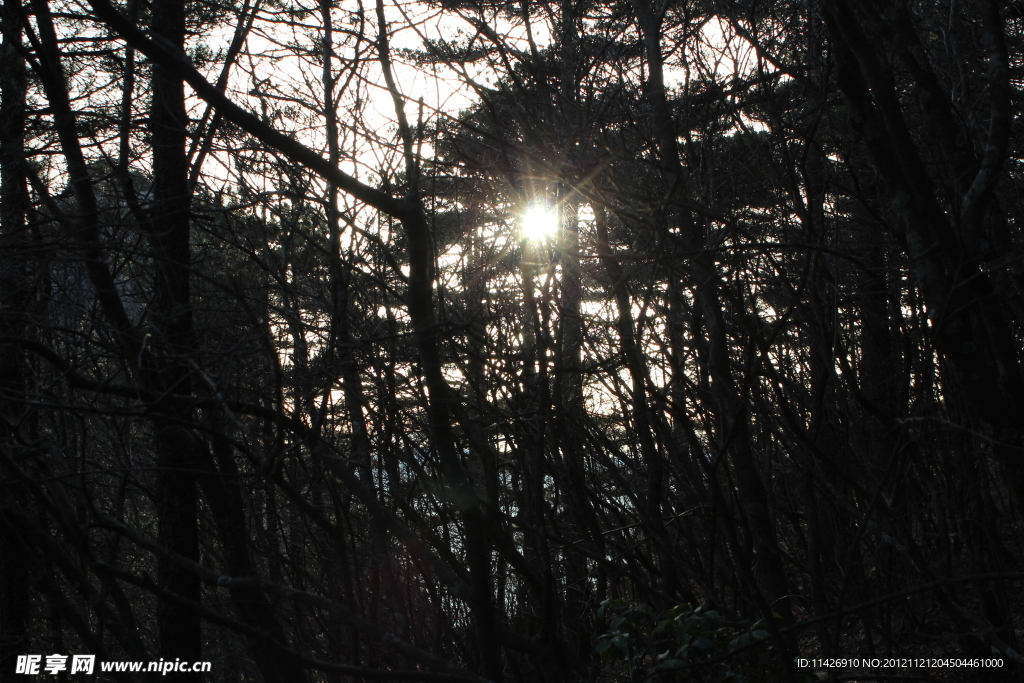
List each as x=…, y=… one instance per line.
x=696, y=644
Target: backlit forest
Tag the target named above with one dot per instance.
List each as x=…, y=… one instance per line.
x=538, y=340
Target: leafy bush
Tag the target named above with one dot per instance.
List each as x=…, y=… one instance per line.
x=641, y=645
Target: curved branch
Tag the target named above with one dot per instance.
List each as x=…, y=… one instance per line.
x=178, y=64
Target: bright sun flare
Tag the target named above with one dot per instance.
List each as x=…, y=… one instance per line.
x=539, y=222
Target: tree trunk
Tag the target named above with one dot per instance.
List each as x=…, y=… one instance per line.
x=16, y=295
x=179, y=451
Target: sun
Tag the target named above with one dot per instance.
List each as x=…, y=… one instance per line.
x=539, y=222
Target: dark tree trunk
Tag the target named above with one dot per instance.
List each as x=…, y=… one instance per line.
x=179, y=451
x=16, y=294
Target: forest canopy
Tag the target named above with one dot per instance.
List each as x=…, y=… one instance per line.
x=458, y=340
